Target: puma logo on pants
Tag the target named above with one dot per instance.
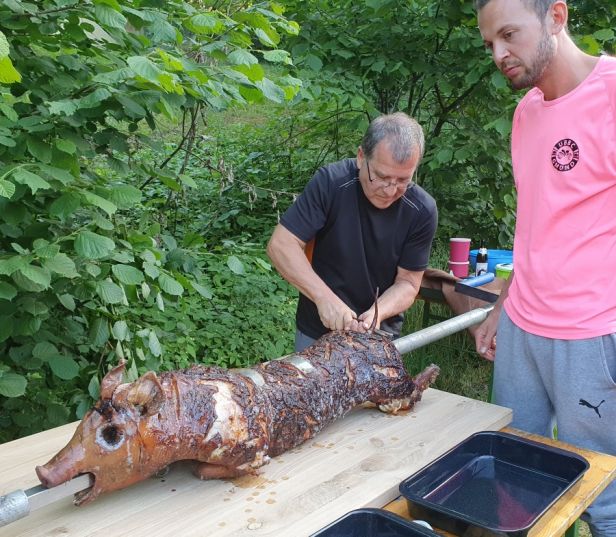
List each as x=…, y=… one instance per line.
x=583, y=402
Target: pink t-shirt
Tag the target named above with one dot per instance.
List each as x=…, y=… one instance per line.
x=564, y=165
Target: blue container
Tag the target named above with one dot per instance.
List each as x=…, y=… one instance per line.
x=495, y=257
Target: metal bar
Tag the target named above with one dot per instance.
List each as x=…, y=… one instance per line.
x=19, y=503
x=441, y=330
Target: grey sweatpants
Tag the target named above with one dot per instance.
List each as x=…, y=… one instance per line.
x=567, y=383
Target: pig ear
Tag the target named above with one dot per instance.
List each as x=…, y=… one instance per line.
x=111, y=381
x=147, y=392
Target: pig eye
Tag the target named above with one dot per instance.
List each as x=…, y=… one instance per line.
x=110, y=436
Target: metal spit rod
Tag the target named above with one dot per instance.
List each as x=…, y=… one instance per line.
x=19, y=503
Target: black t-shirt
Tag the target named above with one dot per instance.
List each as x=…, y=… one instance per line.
x=358, y=247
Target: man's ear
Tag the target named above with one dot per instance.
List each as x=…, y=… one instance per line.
x=558, y=14
x=360, y=156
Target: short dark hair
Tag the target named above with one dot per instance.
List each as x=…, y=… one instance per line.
x=403, y=134
x=540, y=7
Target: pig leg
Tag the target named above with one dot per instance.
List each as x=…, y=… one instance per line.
x=206, y=470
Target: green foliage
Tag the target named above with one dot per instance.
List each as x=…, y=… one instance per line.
x=83, y=85
x=425, y=58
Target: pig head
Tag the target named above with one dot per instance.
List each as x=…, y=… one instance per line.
x=126, y=437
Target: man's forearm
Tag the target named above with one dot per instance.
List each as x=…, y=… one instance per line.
x=397, y=299
x=287, y=254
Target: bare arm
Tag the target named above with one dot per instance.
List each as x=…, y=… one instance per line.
x=485, y=335
x=398, y=298
x=287, y=254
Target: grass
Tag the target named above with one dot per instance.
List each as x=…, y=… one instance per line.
x=463, y=371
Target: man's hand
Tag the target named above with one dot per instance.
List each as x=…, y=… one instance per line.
x=336, y=315
x=485, y=337
x=364, y=321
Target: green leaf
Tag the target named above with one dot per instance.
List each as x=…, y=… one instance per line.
x=35, y=182
x=94, y=99
x=8, y=142
x=43, y=249
x=120, y=331
x=100, y=202
x=38, y=275
x=44, y=350
x=57, y=414
x=12, y=385
x=269, y=37
x=7, y=291
x=605, y=34
x=110, y=293
x=92, y=245
x=242, y=57
x=145, y=68
x=65, y=205
x=99, y=332
x=61, y=264
x=39, y=149
x=94, y=387
x=271, y=90
x=7, y=189
x=203, y=291
x=66, y=146
x=127, y=274
x=8, y=73
x=67, y=301
x=187, y=180
x=67, y=107
x=125, y=196
x=108, y=16
x=133, y=108
x=9, y=112
x=4, y=46
x=151, y=270
x=277, y=56
x=154, y=344
x=64, y=176
x=10, y=265
x=64, y=367
x=204, y=24
x=6, y=327
x=314, y=62
x=235, y=265
x=170, y=285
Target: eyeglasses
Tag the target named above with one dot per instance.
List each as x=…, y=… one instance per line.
x=384, y=183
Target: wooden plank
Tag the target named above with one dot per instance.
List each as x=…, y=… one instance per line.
x=356, y=462
x=566, y=510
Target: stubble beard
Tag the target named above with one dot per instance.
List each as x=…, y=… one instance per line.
x=543, y=56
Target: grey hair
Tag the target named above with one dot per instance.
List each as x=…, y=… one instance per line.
x=540, y=7
x=401, y=132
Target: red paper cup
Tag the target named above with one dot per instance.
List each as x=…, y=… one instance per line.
x=459, y=269
x=459, y=249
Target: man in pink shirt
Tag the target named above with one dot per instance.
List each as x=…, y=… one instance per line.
x=555, y=362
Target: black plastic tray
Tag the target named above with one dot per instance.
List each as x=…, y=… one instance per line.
x=492, y=484
x=370, y=522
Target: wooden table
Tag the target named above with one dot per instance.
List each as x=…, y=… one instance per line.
x=357, y=461
x=570, y=506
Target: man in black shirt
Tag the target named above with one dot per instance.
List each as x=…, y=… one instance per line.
x=370, y=226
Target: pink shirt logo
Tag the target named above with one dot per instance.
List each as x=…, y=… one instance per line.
x=565, y=155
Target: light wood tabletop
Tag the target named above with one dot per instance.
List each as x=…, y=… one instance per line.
x=556, y=521
x=358, y=461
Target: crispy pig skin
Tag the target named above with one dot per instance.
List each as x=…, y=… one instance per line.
x=230, y=421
